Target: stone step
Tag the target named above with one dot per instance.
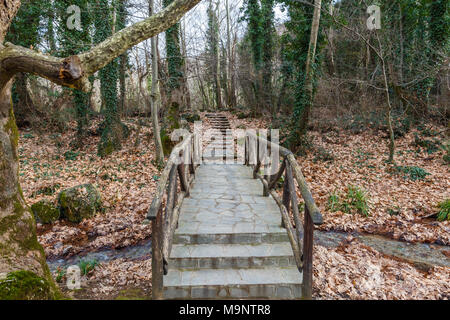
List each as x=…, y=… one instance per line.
x=218, y=146
x=218, y=154
x=273, y=236
x=219, y=149
x=220, y=130
x=222, y=138
x=266, y=282
x=228, y=142
x=221, y=256
x=229, y=242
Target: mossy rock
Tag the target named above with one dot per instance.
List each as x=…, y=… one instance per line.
x=79, y=202
x=45, y=212
x=24, y=285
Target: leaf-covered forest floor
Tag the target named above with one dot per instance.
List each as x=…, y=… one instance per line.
x=399, y=208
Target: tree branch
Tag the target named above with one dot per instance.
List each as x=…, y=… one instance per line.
x=73, y=71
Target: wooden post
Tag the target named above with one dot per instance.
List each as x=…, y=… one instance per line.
x=191, y=149
x=277, y=176
x=184, y=183
x=157, y=259
x=286, y=196
x=258, y=162
x=294, y=202
x=245, y=151
x=308, y=235
x=170, y=204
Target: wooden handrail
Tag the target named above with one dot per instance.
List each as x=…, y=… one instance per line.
x=303, y=186
x=180, y=166
x=162, y=183
x=312, y=216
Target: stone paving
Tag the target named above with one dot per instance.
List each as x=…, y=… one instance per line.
x=229, y=242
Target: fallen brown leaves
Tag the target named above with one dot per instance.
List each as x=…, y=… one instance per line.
x=121, y=273
x=360, y=160
x=125, y=179
x=354, y=271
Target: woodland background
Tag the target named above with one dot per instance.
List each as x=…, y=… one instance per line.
x=368, y=119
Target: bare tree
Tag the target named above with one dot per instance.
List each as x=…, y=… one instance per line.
x=155, y=95
x=19, y=248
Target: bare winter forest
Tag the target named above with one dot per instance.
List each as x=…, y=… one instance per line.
x=352, y=95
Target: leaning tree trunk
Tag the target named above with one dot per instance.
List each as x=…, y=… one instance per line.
x=21, y=256
x=155, y=95
x=19, y=249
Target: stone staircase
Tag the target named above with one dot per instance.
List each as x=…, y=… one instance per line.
x=229, y=243
x=222, y=147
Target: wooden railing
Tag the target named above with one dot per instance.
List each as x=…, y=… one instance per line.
x=180, y=168
x=257, y=151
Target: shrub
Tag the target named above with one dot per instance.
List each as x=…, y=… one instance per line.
x=333, y=202
x=60, y=274
x=87, y=266
x=413, y=173
x=444, y=212
x=355, y=200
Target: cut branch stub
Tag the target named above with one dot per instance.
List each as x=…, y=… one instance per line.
x=71, y=69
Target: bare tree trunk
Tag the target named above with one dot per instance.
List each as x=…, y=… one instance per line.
x=229, y=70
x=155, y=96
x=389, y=105
x=217, y=61
x=186, y=93
x=304, y=119
x=232, y=71
x=19, y=249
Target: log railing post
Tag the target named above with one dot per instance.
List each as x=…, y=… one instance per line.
x=286, y=197
x=258, y=161
x=157, y=258
x=171, y=200
x=245, y=151
x=294, y=202
x=308, y=235
x=191, y=149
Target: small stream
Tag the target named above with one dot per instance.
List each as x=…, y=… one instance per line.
x=134, y=252
x=422, y=255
